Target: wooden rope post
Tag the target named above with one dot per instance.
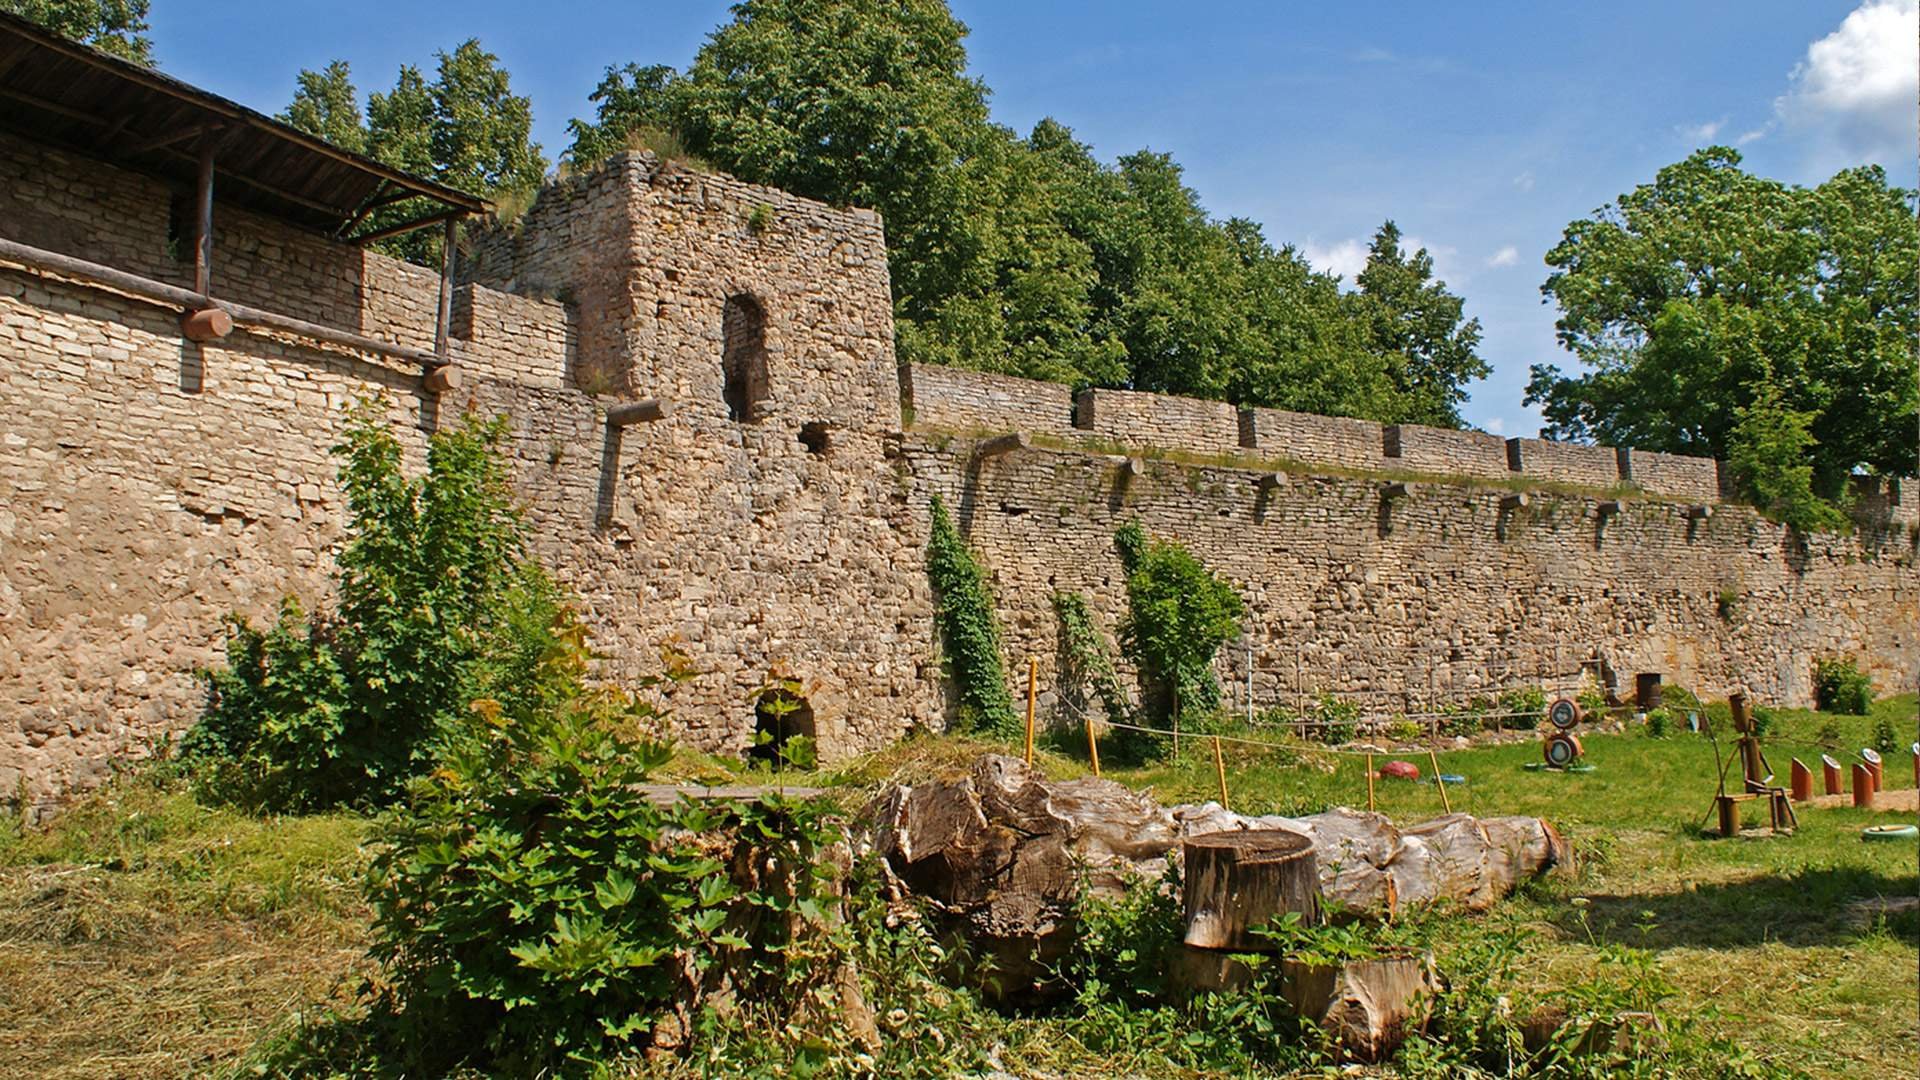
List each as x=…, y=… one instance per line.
x=1033, y=678
x=1093, y=746
x=1220, y=770
x=1434, y=760
x=1369, y=781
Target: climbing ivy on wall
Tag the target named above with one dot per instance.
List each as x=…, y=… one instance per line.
x=1179, y=613
x=968, y=629
x=1085, y=662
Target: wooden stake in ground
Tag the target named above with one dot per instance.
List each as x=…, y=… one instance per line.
x=1033, y=679
x=1239, y=880
x=1220, y=770
x=1369, y=781
x=1093, y=746
x=1433, y=759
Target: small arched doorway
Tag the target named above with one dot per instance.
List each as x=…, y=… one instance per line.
x=743, y=358
x=783, y=729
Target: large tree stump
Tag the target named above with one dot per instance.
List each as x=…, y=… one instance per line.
x=1239, y=881
x=1365, y=1008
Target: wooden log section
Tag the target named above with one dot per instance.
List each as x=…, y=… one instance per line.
x=441, y=380
x=1002, y=444
x=1802, y=781
x=1830, y=774
x=206, y=324
x=1241, y=880
x=1862, y=786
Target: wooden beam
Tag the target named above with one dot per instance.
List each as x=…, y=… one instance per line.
x=636, y=412
x=378, y=198
x=1398, y=490
x=177, y=135
x=1608, y=508
x=56, y=108
x=1516, y=501
x=203, y=222
x=407, y=226
x=442, y=323
x=277, y=192
x=187, y=300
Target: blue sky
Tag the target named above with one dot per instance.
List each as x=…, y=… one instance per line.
x=1482, y=129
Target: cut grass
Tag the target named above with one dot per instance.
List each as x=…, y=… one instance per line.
x=145, y=935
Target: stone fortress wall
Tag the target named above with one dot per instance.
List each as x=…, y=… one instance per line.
x=774, y=520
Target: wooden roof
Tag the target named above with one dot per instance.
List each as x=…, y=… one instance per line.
x=57, y=91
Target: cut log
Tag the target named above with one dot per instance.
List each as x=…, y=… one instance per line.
x=1239, y=881
x=1366, y=1008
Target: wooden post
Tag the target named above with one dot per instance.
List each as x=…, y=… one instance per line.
x=1433, y=759
x=203, y=221
x=1862, y=786
x=1220, y=770
x=1239, y=880
x=1872, y=758
x=1830, y=774
x=442, y=326
x=1176, y=720
x=1033, y=678
x=1729, y=814
x=1802, y=781
x=1093, y=746
x=1369, y=781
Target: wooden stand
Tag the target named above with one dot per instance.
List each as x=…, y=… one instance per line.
x=1756, y=777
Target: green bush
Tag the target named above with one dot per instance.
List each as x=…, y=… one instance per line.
x=1179, y=614
x=438, y=605
x=1335, y=721
x=1085, y=664
x=1522, y=710
x=1659, y=724
x=968, y=630
x=1884, y=740
x=1840, y=686
x=532, y=897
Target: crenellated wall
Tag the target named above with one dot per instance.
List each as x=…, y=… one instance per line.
x=774, y=520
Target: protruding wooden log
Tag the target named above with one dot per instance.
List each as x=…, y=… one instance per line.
x=1396, y=490
x=1002, y=444
x=1271, y=481
x=1830, y=774
x=1802, y=781
x=206, y=324
x=1862, y=785
x=1517, y=501
x=442, y=379
x=1699, y=513
x=1607, y=508
x=1241, y=880
x=636, y=412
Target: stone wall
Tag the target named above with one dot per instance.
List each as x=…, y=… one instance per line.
x=1544, y=459
x=148, y=486
x=1134, y=419
x=1671, y=475
x=1440, y=594
x=1316, y=440
x=945, y=397
x=1444, y=452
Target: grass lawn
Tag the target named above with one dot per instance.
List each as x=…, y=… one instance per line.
x=143, y=935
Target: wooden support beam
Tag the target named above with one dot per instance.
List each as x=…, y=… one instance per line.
x=1002, y=444
x=160, y=292
x=636, y=412
x=56, y=108
x=407, y=226
x=443, y=319
x=442, y=380
x=177, y=135
x=203, y=222
x=1516, y=501
x=1699, y=513
x=1397, y=490
x=1272, y=481
x=1607, y=508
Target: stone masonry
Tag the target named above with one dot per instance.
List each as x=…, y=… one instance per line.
x=773, y=522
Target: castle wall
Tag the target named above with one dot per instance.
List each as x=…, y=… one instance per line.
x=1316, y=440
x=1136, y=419
x=953, y=398
x=150, y=486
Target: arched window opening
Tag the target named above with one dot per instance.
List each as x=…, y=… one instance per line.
x=783, y=732
x=744, y=358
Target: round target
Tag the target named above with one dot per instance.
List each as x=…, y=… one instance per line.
x=1562, y=750
x=1564, y=713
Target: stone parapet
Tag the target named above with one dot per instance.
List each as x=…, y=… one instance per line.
x=1133, y=418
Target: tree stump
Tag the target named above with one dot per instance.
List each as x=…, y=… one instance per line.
x=1241, y=880
x=1365, y=1008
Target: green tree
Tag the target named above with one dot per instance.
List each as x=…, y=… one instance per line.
x=1768, y=453
x=1687, y=297
x=118, y=27
x=1420, y=328
x=400, y=124
x=1179, y=614
x=481, y=137
x=326, y=104
x=629, y=101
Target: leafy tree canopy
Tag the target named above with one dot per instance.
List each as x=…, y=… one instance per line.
x=112, y=26
x=1028, y=255
x=1713, y=301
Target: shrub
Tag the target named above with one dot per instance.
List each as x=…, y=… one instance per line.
x=1839, y=686
x=1884, y=740
x=438, y=605
x=1179, y=613
x=1522, y=709
x=968, y=629
x=531, y=893
x=1336, y=721
x=1659, y=724
x=1085, y=663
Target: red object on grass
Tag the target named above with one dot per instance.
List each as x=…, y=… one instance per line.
x=1401, y=770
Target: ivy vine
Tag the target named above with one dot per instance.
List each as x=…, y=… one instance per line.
x=1085, y=661
x=968, y=630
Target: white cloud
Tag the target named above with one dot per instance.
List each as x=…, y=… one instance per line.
x=1495, y=425
x=1345, y=257
x=1506, y=256
x=1753, y=136
x=1524, y=181
x=1701, y=133
x=1854, y=93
